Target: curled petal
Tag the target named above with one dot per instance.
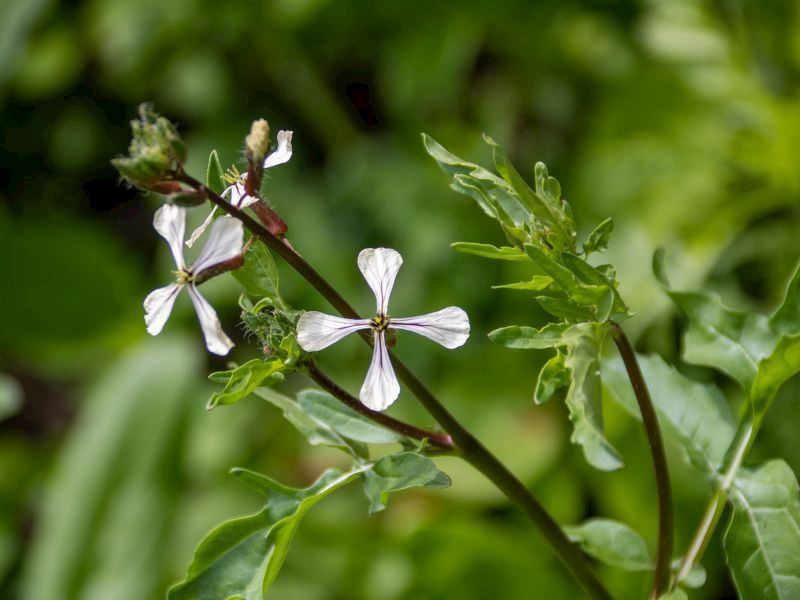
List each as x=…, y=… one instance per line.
x=216, y=340
x=224, y=243
x=170, y=222
x=316, y=330
x=283, y=152
x=448, y=327
x=379, y=267
x=380, y=388
x=199, y=231
x=158, y=306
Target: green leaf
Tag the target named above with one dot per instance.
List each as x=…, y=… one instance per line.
x=315, y=430
x=694, y=416
x=545, y=203
x=584, y=398
x=553, y=376
x=107, y=512
x=241, y=558
x=599, y=297
x=564, y=308
x=243, y=380
x=344, y=420
x=786, y=319
x=521, y=337
x=10, y=396
x=733, y=342
x=536, y=284
x=582, y=344
x=774, y=371
x=598, y=239
x=214, y=173
x=763, y=537
x=612, y=543
x=489, y=251
x=397, y=472
x=493, y=195
x=259, y=274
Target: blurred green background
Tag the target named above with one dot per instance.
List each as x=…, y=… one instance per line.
x=679, y=119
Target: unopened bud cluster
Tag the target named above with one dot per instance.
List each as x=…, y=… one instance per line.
x=155, y=154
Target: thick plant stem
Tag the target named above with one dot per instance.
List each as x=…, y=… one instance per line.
x=666, y=536
x=440, y=440
x=472, y=450
x=745, y=434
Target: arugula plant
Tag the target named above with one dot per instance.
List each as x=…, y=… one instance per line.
x=242, y=557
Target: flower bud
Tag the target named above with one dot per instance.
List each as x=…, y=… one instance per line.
x=156, y=151
x=257, y=141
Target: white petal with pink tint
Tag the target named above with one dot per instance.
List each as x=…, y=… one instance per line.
x=224, y=243
x=379, y=267
x=316, y=330
x=216, y=340
x=448, y=327
x=282, y=153
x=158, y=307
x=170, y=222
x=380, y=387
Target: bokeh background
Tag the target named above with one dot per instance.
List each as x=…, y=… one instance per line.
x=680, y=119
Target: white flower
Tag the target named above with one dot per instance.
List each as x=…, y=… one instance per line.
x=239, y=197
x=448, y=327
x=224, y=243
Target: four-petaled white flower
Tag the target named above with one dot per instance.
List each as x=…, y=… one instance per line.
x=238, y=197
x=224, y=244
x=448, y=327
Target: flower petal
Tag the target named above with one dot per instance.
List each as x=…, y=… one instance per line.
x=224, y=243
x=199, y=231
x=216, y=340
x=379, y=267
x=316, y=330
x=380, y=387
x=284, y=151
x=238, y=194
x=170, y=222
x=448, y=327
x=158, y=306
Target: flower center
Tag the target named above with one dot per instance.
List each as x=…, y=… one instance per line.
x=380, y=322
x=183, y=277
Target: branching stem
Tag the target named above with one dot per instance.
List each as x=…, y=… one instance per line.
x=666, y=539
x=471, y=449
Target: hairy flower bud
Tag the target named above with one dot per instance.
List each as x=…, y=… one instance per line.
x=257, y=141
x=156, y=151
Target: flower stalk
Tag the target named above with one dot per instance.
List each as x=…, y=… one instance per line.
x=666, y=539
x=471, y=449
